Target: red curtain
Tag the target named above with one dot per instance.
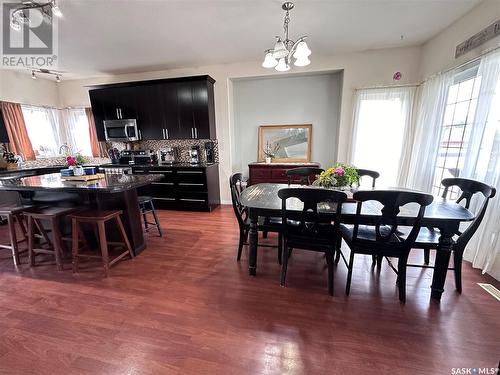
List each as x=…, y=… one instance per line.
x=20, y=142
x=97, y=149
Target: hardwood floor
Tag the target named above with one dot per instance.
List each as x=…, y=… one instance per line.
x=185, y=306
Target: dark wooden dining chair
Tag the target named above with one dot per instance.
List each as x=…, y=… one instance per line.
x=307, y=229
x=241, y=213
x=366, y=172
x=378, y=235
x=428, y=238
x=304, y=173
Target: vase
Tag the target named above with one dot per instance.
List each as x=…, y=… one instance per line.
x=78, y=171
x=268, y=160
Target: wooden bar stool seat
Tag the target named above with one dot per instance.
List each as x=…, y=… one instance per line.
x=36, y=230
x=99, y=218
x=14, y=214
x=146, y=206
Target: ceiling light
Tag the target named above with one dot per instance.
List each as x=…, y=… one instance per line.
x=285, y=48
x=15, y=24
x=302, y=50
x=269, y=60
x=20, y=13
x=56, y=11
x=303, y=61
x=282, y=65
x=33, y=75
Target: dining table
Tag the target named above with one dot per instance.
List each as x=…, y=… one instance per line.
x=262, y=200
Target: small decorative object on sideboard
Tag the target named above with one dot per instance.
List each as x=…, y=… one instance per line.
x=270, y=151
x=339, y=176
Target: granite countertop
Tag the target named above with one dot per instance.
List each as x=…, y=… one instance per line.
x=54, y=182
x=155, y=165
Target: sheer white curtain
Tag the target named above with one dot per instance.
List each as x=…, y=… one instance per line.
x=422, y=145
x=74, y=130
x=482, y=162
x=382, y=121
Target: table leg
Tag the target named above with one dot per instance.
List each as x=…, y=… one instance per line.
x=252, y=243
x=442, y=261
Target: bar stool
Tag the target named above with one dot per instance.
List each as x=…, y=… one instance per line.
x=146, y=206
x=52, y=215
x=98, y=218
x=14, y=215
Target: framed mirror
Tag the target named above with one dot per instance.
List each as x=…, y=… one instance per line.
x=288, y=143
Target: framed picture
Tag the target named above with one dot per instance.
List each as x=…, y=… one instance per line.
x=288, y=143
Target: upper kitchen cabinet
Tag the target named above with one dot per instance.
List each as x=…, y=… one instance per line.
x=178, y=108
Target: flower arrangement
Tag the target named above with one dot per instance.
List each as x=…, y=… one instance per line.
x=271, y=151
x=339, y=175
x=73, y=161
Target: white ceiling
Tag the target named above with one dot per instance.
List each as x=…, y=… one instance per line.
x=116, y=36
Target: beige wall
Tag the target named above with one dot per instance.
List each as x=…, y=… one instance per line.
x=21, y=88
x=361, y=69
x=439, y=53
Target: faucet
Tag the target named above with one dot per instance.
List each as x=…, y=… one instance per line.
x=64, y=149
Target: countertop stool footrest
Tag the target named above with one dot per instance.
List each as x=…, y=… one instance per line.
x=36, y=230
x=14, y=214
x=98, y=219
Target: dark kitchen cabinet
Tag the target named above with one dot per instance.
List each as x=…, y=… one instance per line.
x=177, y=108
x=183, y=188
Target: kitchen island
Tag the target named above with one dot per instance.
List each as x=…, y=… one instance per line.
x=113, y=192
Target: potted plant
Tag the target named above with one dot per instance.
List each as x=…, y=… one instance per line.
x=339, y=176
x=270, y=151
x=76, y=164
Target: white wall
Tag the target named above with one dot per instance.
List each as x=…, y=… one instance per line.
x=439, y=53
x=305, y=99
x=21, y=88
x=369, y=68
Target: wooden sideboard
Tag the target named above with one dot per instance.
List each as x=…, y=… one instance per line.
x=273, y=172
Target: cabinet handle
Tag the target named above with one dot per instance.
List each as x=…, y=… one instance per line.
x=190, y=172
x=117, y=114
x=163, y=133
x=192, y=200
x=189, y=184
x=140, y=134
x=196, y=133
x=192, y=133
x=166, y=132
x=164, y=199
x=160, y=172
x=162, y=183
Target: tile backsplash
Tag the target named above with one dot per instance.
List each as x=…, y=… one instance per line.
x=183, y=146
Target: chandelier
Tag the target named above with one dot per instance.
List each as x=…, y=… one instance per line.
x=284, y=49
x=20, y=15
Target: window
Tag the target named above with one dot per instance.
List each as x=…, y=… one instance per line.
x=77, y=125
x=51, y=128
x=381, y=118
x=457, y=124
x=41, y=131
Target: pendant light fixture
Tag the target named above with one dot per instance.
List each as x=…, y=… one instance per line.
x=284, y=49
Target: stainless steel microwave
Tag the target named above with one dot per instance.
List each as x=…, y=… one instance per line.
x=123, y=130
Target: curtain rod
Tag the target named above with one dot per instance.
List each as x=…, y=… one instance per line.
x=484, y=53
